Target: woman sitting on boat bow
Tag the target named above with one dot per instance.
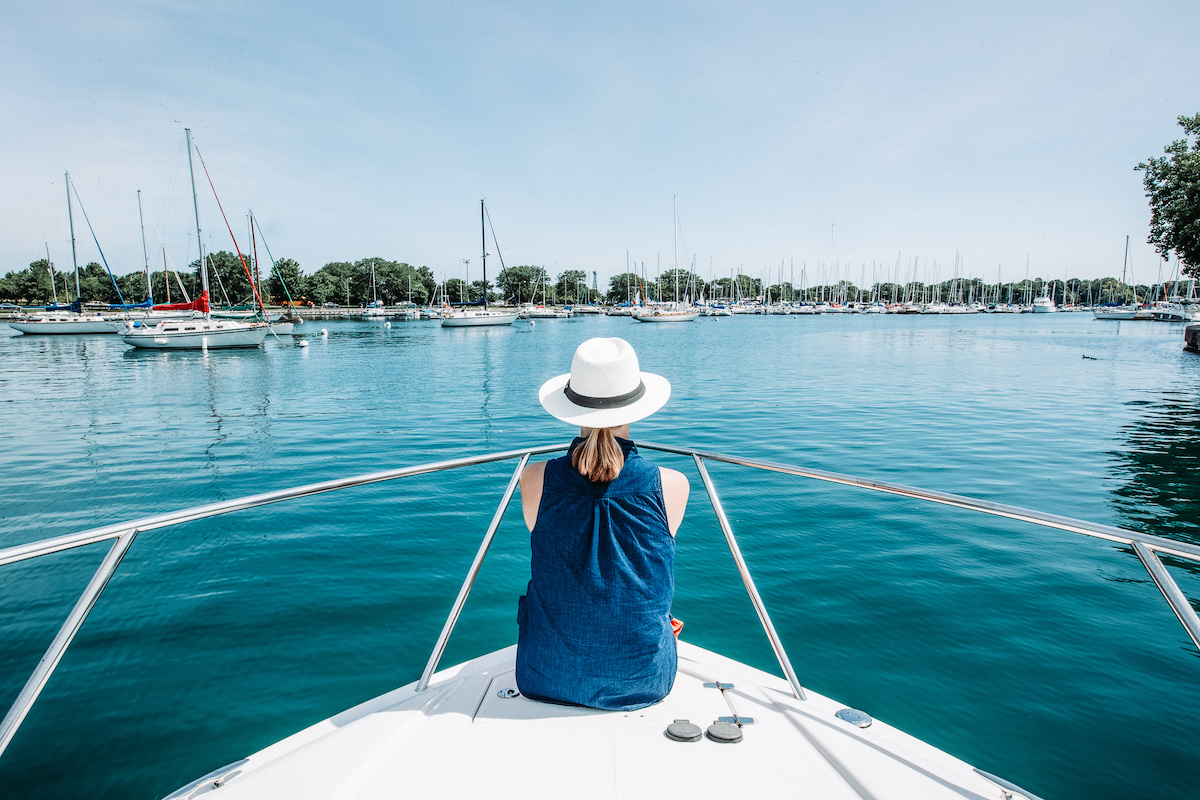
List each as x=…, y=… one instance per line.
x=595, y=623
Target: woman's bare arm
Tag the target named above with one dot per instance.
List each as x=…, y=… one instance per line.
x=531, y=491
x=675, y=494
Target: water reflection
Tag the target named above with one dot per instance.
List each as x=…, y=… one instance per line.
x=1162, y=486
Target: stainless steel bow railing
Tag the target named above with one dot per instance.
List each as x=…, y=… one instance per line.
x=1146, y=546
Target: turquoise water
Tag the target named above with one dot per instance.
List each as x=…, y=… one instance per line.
x=1041, y=656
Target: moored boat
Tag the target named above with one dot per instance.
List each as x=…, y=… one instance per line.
x=59, y=323
x=474, y=317
x=1044, y=305
x=198, y=334
x=667, y=315
x=66, y=320
x=482, y=316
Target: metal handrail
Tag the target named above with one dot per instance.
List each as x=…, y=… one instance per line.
x=1146, y=546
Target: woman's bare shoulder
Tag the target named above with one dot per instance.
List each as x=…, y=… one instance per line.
x=674, y=482
x=534, y=469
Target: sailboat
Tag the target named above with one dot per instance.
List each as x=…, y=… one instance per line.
x=1122, y=311
x=374, y=309
x=69, y=320
x=196, y=334
x=544, y=311
x=677, y=313
x=475, y=317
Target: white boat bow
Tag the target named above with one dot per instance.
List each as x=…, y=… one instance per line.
x=471, y=734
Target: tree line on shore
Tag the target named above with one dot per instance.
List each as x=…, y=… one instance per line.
x=350, y=284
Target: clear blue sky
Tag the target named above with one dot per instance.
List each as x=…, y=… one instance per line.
x=912, y=129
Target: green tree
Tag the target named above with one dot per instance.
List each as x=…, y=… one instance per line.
x=1173, y=187
x=132, y=286
x=456, y=291
x=166, y=286
x=475, y=290
x=331, y=283
x=522, y=284
x=286, y=280
x=679, y=283
x=227, y=280
x=325, y=287
x=396, y=282
x=95, y=285
x=623, y=288
x=30, y=286
x=570, y=285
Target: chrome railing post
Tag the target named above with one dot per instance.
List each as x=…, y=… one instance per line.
x=461, y=600
x=1170, y=590
x=54, y=653
x=751, y=590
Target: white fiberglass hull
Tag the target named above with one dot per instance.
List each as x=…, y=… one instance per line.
x=196, y=335
x=1120, y=314
x=65, y=327
x=470, y=735
x=472, y=319
x=668, y=316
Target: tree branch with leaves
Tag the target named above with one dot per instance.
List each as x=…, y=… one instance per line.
x=1173, y=187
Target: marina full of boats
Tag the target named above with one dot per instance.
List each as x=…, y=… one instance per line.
x=295, y=634
x=102, y=319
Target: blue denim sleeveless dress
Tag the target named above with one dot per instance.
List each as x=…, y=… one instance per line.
x=595, y=624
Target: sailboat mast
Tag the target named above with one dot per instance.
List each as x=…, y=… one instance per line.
x=1125, y=263
x=145, y=252
x=483, y=247
x=71, y=222
x=196, y=208
x=262, y=304
x=50, y=269
x=675, y=219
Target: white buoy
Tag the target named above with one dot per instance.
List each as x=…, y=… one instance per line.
x=532, y=323
x=303, y=343
x=324, y=333
x=387, y=324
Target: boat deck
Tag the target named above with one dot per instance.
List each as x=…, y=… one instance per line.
x=462, y=738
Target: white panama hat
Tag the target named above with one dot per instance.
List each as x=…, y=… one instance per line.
x=605, y=387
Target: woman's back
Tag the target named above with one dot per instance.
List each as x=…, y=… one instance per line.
x=595, y=625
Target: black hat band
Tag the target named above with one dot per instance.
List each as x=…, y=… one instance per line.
x=620, y=401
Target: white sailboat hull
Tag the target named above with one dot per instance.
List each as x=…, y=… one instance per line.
x=65, y=326
x=668, y=316
x=472, y=319
x=1118, y=314
x=197, y=335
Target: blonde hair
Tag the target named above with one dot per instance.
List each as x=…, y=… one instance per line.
x=599, y=458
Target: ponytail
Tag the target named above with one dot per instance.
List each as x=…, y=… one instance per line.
x=599, y=458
